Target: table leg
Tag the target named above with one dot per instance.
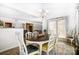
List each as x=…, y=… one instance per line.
x=40, y=49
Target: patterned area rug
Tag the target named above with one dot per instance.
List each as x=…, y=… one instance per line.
x=62, y=48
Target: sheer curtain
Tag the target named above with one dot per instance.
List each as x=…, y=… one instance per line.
x=52, y=27
x=58, y=27
x=61, y=28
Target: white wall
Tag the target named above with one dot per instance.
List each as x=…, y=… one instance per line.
x=37, y=26
x=8, y=38
x=7, y=19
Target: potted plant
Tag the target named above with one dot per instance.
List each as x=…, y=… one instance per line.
x=1, y=24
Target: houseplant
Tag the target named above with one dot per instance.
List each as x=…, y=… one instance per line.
x=1, y=24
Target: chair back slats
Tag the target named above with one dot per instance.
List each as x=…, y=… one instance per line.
x=52, y=41
x=28, y=35
x=31, y=35
x=35, y=34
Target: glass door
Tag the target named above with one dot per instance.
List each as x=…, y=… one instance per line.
x=57, y=28
x=61, y=29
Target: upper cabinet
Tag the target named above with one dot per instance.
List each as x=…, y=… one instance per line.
x=8, y=25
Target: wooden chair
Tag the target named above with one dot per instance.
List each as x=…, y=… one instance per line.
x=47, y=47
x=25, y=49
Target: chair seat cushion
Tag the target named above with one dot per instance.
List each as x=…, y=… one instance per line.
x=31, y=48
x=45, y=47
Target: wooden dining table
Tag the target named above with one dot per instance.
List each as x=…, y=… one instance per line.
x=40, y=41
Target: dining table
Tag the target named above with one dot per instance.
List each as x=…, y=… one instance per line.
x=40, y=41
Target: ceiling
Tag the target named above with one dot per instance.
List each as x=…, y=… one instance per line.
x=34, y=10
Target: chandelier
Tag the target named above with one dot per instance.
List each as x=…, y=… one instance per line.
x=43, y=13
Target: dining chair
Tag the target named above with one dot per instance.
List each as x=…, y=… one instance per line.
x=28, y=35
x=35, y=34
x=25, y=49
x=47, y=47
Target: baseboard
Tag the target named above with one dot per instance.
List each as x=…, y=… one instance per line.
x=8, y=48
